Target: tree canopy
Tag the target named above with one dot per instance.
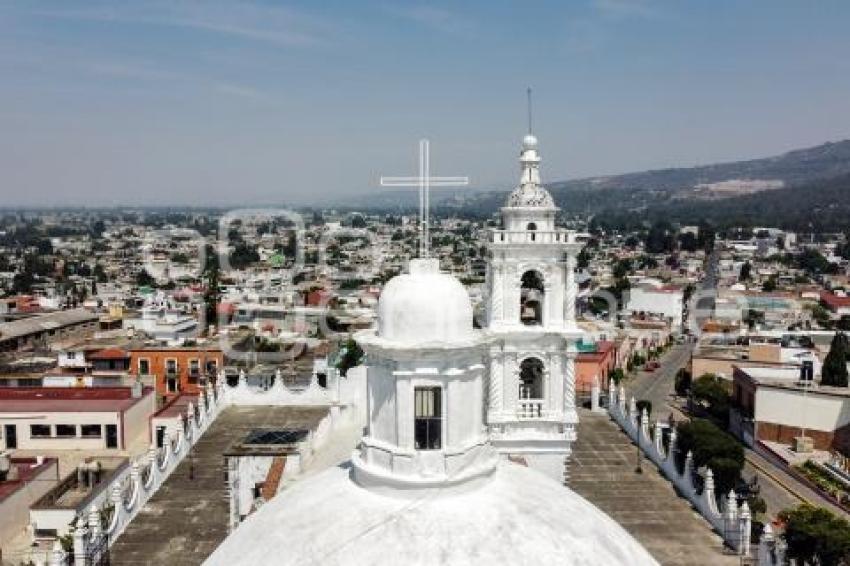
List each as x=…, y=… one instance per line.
x=714, y=448
x=712, y=393
x=834, y=371
x=815, y=536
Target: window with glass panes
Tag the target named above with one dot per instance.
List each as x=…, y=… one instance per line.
x=428, y=418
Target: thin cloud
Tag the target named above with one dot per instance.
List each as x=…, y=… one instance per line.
x=435, y=19
x=253, y=22
x=130, y=71
x=625, y=9
x=241, y=91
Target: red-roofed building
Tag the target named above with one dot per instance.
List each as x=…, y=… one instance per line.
x=75, y=418
x=838, y=304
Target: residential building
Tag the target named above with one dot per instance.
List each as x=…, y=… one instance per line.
x=176, y=369
x=22, y=482
x=774, y=405
x=75, y=418
x=43, y=329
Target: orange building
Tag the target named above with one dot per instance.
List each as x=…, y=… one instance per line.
x=176, y=370
x=599, y=362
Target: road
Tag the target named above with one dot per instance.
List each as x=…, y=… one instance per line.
x=778, y=489
x=658, y=386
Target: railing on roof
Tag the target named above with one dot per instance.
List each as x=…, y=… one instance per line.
x=532, y=237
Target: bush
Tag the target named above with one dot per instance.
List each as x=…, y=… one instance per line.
x=816, y=536
x=644, y=404
x=683, y=382
x=714, y=448
x=757, y=505
x=352, y=355
x=617, y=376
x=712, y=393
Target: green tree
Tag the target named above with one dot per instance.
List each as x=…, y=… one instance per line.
x=714, y=448
x=352, y=355
x=769, y=286
x=815, y=536
x=243, y=255
x=211, y=293
x=144, y=279
x=659, y=239
x=617, y=375
x=712, y=393
x=834, y=371
x=688, y=242
x=682, y=382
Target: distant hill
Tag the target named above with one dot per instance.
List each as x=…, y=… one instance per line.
x=686, y=191
x=822, y=205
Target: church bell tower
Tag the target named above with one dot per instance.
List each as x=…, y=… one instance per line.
x=531, y=294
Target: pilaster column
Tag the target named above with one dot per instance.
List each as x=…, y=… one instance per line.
x=496, y=384
x=570, y=290
x=496, y=300
x=570, y=380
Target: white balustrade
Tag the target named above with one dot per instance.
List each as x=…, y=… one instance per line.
x=734, y=523
x=147, y=474
x=532, y=237
x=128, y=494
x=530, y=408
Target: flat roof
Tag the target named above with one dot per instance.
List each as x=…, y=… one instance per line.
x=44, y=322
x=68, y=399
x=27, y=469
x=177, y=406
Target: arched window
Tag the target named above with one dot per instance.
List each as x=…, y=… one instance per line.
x=531, y=298
x=531, y=227
x=531, y=379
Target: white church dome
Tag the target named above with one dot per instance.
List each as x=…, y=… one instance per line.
x=424, y=306
x=519, y=517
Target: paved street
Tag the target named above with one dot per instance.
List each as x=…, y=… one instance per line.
x=778, y=488
x=658, y=386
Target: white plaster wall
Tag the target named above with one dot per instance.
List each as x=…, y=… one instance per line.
x=14, y=510
x=787, y=407
x=252, y=470
x=26, y=442
x=668, y=304
x=382, y=404
x=136, y=422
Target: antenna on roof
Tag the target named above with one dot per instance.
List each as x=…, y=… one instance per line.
x=528, y=92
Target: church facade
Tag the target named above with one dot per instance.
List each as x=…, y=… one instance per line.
x=530, y=303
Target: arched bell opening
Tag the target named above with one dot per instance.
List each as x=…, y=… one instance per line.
x=531, y=379
x=531, y=298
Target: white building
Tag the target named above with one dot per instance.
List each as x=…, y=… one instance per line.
x=531, y=295
x=651, y=297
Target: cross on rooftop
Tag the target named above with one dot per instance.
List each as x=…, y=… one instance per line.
x=424, y=181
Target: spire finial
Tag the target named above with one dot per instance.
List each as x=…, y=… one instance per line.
x=528, y=93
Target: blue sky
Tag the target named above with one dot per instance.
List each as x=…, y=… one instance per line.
x=235, y=103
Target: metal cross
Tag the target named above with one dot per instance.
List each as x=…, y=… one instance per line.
x=424, y=181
